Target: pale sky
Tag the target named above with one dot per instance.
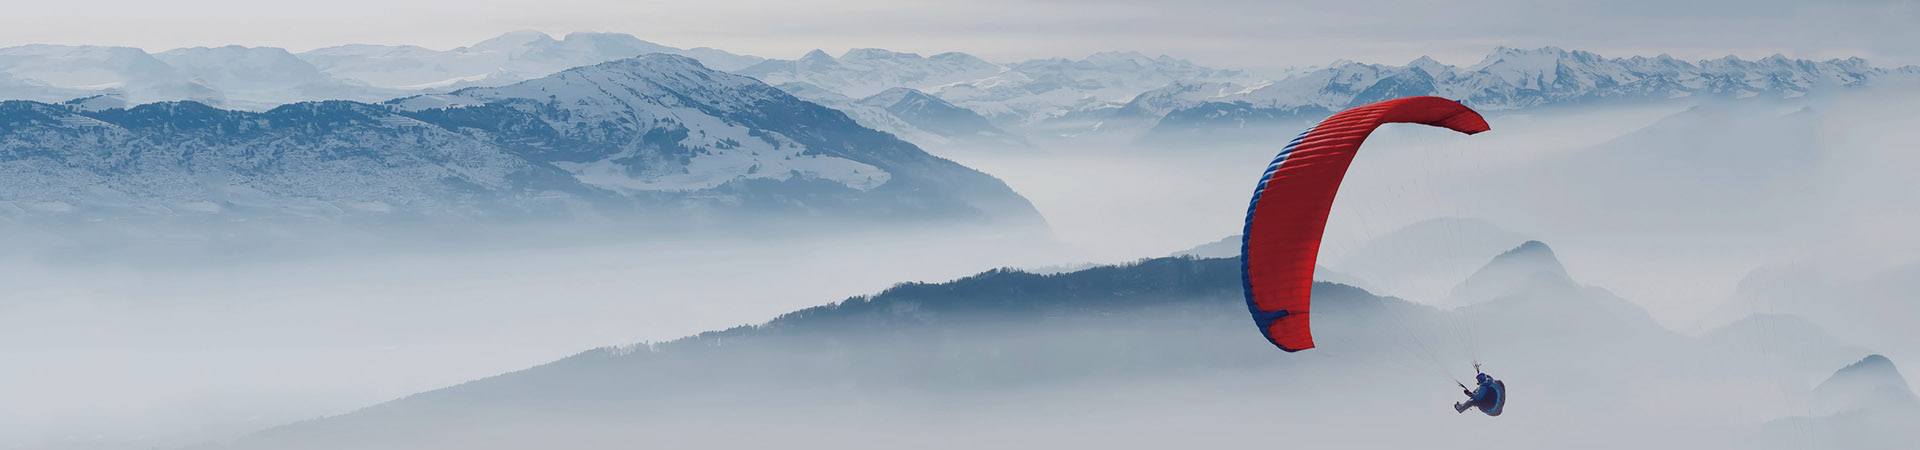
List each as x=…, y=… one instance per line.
x=1232, y=33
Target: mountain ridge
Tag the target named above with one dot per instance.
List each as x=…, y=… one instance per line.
x=1514, y=79
x=648, y=132
x=260, y=78
x=864, y=72
x=1010, y=334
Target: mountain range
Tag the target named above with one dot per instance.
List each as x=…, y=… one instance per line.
x=1061, y=97
x=1121, y=89
x=1031, y=93
x=643, y=135
x=913, y=116
x=1512, y=79
x=261, y=78
x=1016, y=95
x=863, y=72
x=509, y=58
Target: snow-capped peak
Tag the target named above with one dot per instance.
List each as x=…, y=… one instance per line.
x=876, y=53
x=1432, y=68
x=1514, y=78
x=1116, y=57
x=960, y=58
x=132, y=72
x=892, y=96
x=512, y=41
x=863, y=72
x=506, y=59
x=1508, y=53
x=1042, y=89
x=1537, y=68
x=650, y=74
x=259, y=78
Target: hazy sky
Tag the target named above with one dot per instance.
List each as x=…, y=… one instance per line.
x=1218, y=32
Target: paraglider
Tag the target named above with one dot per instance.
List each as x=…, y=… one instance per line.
x=1288, y=215
x=1490, y=395
x=1289, y=210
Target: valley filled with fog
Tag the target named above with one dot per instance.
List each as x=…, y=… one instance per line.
x=1713, y=259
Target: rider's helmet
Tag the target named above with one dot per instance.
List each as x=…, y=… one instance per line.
x=1483, y=378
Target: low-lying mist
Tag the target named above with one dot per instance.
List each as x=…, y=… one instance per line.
x=157, y=342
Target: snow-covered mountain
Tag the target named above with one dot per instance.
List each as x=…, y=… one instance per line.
x=959, y=125
x=1044, y=89
x=863, y=72
x=509, y=58
x=658, y=134
x=46, y=72
x=1157, y=102
x=912, y=116
x=1512, y=79
x=259, y=78
x=305, y=159
x=1057, y=96
x=867, y=115
x=13, y=87
x=1019, y=96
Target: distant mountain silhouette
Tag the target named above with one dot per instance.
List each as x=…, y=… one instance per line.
x=1866, y=404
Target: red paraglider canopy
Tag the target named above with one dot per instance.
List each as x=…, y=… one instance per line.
x=1289, y=210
